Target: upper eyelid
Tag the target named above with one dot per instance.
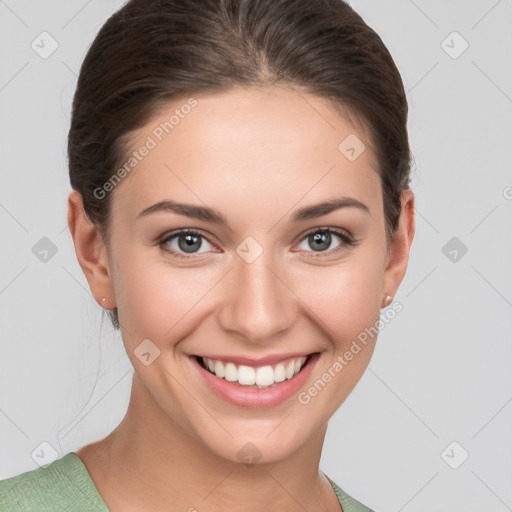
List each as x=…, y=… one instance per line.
x=173, y=234
x=194, y=231
x=337, y=231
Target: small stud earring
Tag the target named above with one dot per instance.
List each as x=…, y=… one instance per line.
x=103, y=300
x=387, y=301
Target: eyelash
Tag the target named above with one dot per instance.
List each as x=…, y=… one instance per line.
x=345, y=238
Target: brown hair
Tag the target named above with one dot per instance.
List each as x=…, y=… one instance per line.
x=151, y=52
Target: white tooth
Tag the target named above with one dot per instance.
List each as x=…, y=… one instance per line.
x=279, y=373
x=220, y=371
x=264, y=376
x=299, y=363
x=290, y=369
x=260, y=377
x=246, y=375
x=231, y=372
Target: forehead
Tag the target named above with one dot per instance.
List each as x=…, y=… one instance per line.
x=275, y=143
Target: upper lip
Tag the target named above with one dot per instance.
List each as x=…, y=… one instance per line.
x=251, y=361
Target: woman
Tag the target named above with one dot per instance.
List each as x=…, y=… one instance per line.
x=213, y=144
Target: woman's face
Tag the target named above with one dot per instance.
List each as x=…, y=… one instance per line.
x=262, y=287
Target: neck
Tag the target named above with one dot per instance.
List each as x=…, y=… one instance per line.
x=151, y=463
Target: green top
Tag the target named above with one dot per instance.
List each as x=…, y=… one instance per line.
x=65, y=485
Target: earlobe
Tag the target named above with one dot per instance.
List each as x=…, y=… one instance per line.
x=400, y=245
x=90, y=249
x=386, y=301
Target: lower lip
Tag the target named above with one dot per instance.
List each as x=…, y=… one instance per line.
x=245, y=396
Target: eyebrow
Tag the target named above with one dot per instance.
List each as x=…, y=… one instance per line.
x=211, y=215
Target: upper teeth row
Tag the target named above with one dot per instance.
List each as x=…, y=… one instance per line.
x=248, y=376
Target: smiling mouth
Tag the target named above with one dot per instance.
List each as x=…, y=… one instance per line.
x=261, y=377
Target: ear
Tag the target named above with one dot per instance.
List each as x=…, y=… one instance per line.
x=91, y=251
x=400, y=246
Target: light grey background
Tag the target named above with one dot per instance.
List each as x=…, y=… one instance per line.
x=441, y=371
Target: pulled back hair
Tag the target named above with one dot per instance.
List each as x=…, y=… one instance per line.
x=152, y=52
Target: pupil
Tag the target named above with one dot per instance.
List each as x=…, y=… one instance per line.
x=324, y=238
x=190, y=240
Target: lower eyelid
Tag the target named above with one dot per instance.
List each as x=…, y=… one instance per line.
x=346, y=240
x=165, y=241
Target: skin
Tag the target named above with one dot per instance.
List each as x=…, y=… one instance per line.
x=255, y=155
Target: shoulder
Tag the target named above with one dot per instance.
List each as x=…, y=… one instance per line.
x=61, y=485
x=348, y=503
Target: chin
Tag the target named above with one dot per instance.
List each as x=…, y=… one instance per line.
x=256, y=445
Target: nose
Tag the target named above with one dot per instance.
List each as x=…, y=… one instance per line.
x=257, y=304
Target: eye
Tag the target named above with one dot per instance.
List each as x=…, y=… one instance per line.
x=321, y=239
x=188, y=242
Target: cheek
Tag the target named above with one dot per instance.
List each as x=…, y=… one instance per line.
x=345, y=298
x=160, y=301
x=346, y=305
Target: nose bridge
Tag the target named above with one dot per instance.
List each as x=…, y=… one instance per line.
x=258, y=305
